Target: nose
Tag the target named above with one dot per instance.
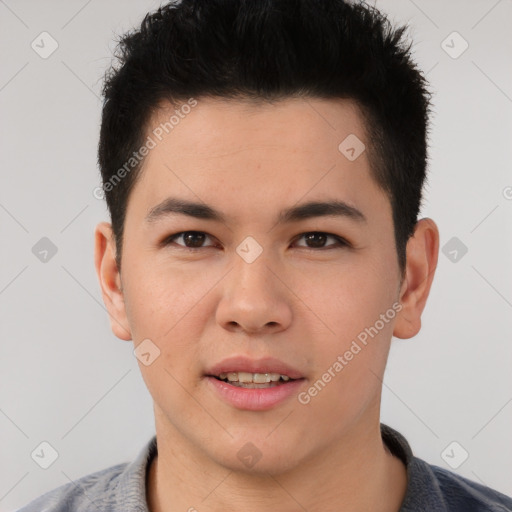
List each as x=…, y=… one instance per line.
x=254, y=298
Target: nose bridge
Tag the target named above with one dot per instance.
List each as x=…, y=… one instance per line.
x=251, y=274
x=253, y=297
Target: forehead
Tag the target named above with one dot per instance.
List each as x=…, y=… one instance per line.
x=215, y=123
x=229, y=153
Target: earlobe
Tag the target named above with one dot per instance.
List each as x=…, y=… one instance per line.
x=422, y=255
x=110, y=280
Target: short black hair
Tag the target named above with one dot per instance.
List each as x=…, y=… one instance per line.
x=268, y=50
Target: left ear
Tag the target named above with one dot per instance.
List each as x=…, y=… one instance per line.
x=422, y=253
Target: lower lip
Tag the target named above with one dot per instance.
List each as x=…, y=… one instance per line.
x=254, y=399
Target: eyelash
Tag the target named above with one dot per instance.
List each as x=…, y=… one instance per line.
x=341, y=242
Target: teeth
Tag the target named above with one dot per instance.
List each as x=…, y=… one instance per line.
x=244, y=377
x=256, y=378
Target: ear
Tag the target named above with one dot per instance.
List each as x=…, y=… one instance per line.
x=110, y=280
x=422, y=253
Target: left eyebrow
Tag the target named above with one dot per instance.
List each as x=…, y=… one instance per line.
x=320, y=209
x=304, y=211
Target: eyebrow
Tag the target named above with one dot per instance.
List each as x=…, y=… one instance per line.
x=335, y=208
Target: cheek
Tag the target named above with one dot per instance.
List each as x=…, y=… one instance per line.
x=349, y=364
x=347, y=301
x=159, y=300
x=165, y=308
x=168, y=307
x=357, y=308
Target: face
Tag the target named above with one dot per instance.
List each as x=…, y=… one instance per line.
x=243, y=286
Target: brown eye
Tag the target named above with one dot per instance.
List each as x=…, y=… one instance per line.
x=191, y=239
x=317, y=240
x=313, y=240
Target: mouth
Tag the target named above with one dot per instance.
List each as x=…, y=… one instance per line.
x=253, y=380
x=251, y=384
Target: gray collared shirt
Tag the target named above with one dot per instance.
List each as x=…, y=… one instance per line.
x=122, y=488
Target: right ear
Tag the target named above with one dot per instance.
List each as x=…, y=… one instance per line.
x=110, y=280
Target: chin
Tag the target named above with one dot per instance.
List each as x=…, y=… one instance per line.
x=258, y=457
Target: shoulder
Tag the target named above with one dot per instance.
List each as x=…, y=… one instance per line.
x=119, y=488
x=84, y=494
x=462, y=492
x=432, y=488
x=455, y=493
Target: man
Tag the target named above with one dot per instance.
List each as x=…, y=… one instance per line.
x=263, y=165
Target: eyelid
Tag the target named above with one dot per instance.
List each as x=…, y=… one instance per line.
x=341, y=242
x=339, y=239
x=170, y=239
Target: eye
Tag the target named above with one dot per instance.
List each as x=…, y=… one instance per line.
x=194, y=240
x=191, y=239
x=317, y=239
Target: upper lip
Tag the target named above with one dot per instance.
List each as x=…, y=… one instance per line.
x=246, y=364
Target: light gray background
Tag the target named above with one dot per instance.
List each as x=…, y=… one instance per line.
x=67, y=380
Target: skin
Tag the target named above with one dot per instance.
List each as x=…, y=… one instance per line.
x=296, y=302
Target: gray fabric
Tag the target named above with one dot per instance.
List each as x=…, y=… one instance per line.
x=122, y=488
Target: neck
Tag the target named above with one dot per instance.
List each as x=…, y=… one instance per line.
x=358, y=473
